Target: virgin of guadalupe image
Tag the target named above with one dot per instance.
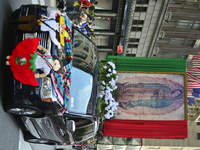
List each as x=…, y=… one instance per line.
x=149, y=96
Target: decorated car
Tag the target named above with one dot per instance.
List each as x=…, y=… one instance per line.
x=54, y=85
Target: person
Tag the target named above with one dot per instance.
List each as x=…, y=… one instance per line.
x=88, y=27
x=26, y=59
x=77, y=5
x=83, y=30
x=82, y=19
x=153, y=95
x=85, y=3
x=34, y=23
x=92, y=8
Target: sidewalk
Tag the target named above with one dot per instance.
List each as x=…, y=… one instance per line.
x=23, y=145
x=42, y=147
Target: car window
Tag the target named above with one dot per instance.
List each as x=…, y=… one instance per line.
x=84, y=57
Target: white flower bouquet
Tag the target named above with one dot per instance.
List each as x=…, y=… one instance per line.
x=108, y=77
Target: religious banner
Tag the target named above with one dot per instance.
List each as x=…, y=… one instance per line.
x=151, y=96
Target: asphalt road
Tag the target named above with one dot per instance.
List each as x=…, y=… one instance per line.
x=10, y=133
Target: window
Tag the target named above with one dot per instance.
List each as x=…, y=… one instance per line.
x=132, y=45
x=81, y=55
x=188, y=24
x=77, y=43
x=176, y=41
x=136, y=29
x=140, y=9
x=183, y=24
x=153, y=147
x=102, y=26
x=198, y=136
x=137, y=22
x=134, y=40
x=101, y=40
x=130, y=55
x=198, y=123
x=191, y=4
x=142, y=1
x=86, y=47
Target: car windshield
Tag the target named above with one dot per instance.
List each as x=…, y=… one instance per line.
x=83, y=89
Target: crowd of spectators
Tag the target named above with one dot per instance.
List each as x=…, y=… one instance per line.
x=81, y=13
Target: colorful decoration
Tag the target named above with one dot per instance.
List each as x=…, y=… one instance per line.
x=23, y=62
x=63, y=32
x=20, y=61
x=62, y=81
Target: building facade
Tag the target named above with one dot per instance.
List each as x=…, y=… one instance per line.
x=147, y=28
x=152, y=28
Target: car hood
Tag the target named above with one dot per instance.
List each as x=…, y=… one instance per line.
x=80, y=91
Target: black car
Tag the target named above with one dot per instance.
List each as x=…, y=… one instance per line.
x=41, y=107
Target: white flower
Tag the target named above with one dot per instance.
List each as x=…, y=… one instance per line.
x=112, y=64
x=113, y=108
x=108, y=75
x=107, y=116
x=111, y=113
x=109, y=70
x=105, y=67
x=102, y=92
x=103, y=82
x=102, y=87
x=112, y=82
x=106, y=101
x=107, y=108
x=108, y=88
x=114, y=72
x=116, y=78
x=115, y=87
x=110, y=103
x=100, y=95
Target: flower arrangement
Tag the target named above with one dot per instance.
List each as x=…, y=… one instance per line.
x=107, y=79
